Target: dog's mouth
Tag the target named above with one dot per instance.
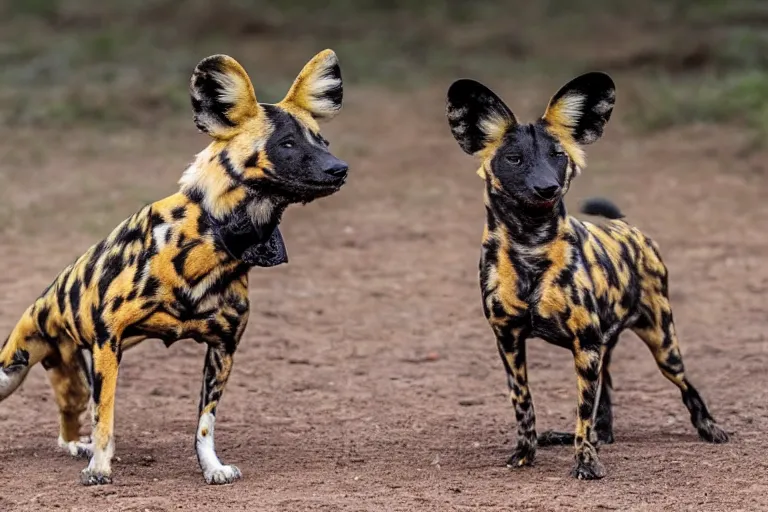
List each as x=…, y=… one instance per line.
x=308, y=190
x=544, y=204
x=332, y=184
x=530, y=202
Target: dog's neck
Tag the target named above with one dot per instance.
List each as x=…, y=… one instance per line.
x=252, y=221
x=251, y=234
x=529, y=233
x=219, y=186
x=243, y=217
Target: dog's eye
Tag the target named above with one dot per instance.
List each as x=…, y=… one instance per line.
x=288, y=144
x=514, y=159
x=558, y=152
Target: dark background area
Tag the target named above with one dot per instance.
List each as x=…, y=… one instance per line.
x=85, y=61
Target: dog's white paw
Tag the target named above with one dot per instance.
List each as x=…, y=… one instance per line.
x=223, y=475
x=79, y=449
x=92, y=477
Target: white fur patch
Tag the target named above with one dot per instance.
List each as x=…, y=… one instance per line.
x=603, y=107
x=568, y=175
x=457, y=114
x=232, y=87
x=316, y=89
x=260, y=211
x=571, y=107
x=207, y=120
x=492, y=278
x=82, y=448
x=494, y=126
x=589, y=136
x=213, y=470
x=101, y=461
x=311, y=138
x=159, y=234
x=459, y=130
x=190, y=176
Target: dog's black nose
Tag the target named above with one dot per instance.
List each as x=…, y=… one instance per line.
x=338, y=170
x=547, y=193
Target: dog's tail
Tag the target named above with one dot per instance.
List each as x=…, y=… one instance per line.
x=601, y=207
x=22, y=350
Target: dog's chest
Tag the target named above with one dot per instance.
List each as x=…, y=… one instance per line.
x=208, y=321
x=197, y=287
x=543, y=294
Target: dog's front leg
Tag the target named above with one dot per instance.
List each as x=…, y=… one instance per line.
x=511, y=344
x=586, y=354
x=105, y=365
x=218, y=365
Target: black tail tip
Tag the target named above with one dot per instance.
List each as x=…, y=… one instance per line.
x=602, y=208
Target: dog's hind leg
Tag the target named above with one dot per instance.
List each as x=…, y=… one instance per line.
x=69, y=377
x=656, y=328
x=654, y=324
x=604, y=419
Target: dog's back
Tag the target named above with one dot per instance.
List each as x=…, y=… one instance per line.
x=625, y=266
x=158, y=256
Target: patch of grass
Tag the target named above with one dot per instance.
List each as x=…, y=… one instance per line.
x=741, y=98
x=724, y=11
x=715, y=70
x=104, y=62
x=742, y=48
x=115, y=63
x=36, y=8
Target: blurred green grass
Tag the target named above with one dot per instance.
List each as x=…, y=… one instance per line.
x=110, y=63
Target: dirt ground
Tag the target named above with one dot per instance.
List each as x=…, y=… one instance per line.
x=368, y=378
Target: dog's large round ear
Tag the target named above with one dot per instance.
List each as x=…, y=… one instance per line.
x=318, y=89
x=582, y=107
x=222, y=96
x=478, y=118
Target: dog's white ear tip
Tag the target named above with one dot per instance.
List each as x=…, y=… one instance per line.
x=329, y=54
x=326, y=58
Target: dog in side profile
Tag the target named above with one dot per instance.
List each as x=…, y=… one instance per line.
x=548, y=275
x=179, y=267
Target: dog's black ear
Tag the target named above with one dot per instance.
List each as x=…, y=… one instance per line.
x=477, y=117
x=580, y=109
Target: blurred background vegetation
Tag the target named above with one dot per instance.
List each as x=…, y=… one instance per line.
x=118, y=62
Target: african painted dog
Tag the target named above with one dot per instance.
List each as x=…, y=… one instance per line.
x=179, y=267
x=548, y=275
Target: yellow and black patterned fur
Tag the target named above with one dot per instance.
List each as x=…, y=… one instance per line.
x=548, y=275
x=179, y=267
